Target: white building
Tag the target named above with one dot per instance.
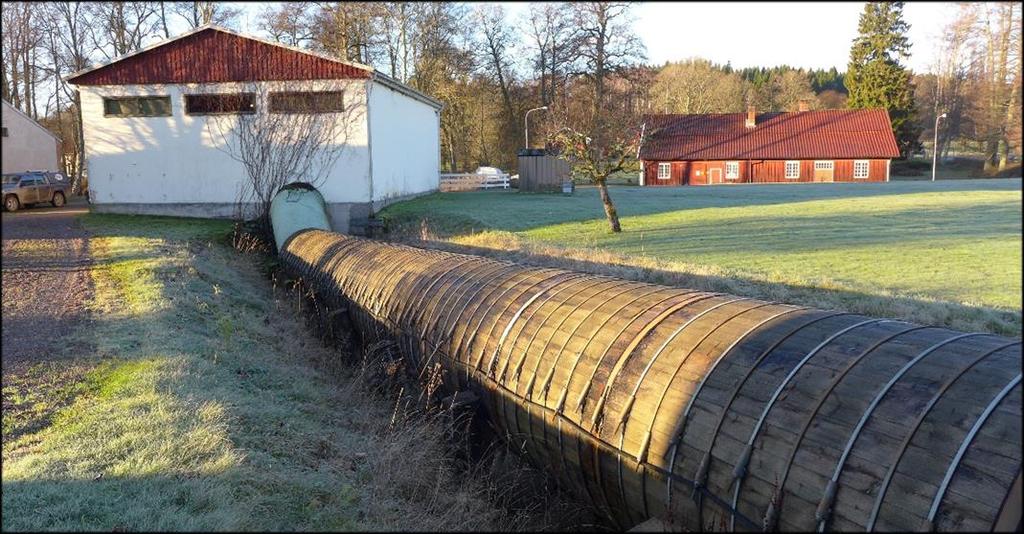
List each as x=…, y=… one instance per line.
x=149, y=147
x=27, y=146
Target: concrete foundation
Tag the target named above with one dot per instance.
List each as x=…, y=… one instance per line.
x=345, y=217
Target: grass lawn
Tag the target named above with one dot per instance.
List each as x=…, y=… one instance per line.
x=946, y=253
x=207, y=405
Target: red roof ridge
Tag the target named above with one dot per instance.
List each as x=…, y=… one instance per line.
x=205, y=28
x=828, y=133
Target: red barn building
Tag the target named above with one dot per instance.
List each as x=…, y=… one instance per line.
x=836, y=145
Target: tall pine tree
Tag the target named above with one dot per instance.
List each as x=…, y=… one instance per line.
x=875, y=78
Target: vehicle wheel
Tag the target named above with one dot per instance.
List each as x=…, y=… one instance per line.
x=58, y=199
x=11, y=203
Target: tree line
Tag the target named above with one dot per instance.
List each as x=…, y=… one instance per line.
x=581, y=60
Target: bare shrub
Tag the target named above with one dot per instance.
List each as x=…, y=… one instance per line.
x=435, y=456
x=290, y=139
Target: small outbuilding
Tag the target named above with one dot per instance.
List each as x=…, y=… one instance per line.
x=27, y=145
x=836, y=145
x=148, y=147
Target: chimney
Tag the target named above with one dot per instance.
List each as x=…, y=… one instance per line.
x=751, y=116
x=803, y=105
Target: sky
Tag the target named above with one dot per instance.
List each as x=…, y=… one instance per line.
x=800, y=34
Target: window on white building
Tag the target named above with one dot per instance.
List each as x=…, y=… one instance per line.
x=214, y=104
x=137, y=106
x=732, y=170
x=792, y=170
x=306, y=102
x=664, y=171
x=861, y=169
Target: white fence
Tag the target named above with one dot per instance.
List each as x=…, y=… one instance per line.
x=472, y=182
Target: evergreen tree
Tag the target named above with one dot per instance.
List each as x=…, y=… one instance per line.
x=875, y=78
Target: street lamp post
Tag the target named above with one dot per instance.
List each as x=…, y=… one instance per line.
x=935, y=144
x=526, y=124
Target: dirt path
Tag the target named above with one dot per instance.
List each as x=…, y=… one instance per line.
x=45, y=287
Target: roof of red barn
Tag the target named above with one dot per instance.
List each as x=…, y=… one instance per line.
x=832, y=134
x=211, y=54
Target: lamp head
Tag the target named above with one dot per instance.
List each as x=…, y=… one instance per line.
x=943, y=116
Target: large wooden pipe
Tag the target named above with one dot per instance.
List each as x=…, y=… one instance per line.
x=708, y=411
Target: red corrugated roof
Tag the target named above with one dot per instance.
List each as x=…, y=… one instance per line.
x=832, y=134
x=212, y=55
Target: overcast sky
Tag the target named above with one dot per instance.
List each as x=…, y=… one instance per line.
x=804, y=34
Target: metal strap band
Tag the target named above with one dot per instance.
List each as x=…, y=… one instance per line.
x=681, y=426
x=416, y=308
x=526, y=350
x=770, y=522
x=626, y=354
x=579, y=355
x=825, y=506
x=553, y=273
x=526, y=321
x=503, y=272
x=564, y=317
x=967, y=443
x=433, y=309
x=917, y=423
x=486, y=300
x=646, y=440
x=671, y=309
x=624, y=418
x=454, y=292
x=512, y=322
x=546, y=384
x=740, y=471
x=725, y=409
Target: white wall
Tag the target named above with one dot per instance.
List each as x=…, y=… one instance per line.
x=28, y=146
x=404, y=144
x=178, y=159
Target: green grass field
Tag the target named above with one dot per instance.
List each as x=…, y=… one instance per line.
x=207, y=405
x=945, y=252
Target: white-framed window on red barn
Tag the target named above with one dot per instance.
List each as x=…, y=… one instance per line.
x=664, y=171
x=861, y=169
x=732, y=170
x=792, y=170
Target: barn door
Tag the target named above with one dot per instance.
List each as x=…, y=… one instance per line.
x=715, y=175
x=824, y=171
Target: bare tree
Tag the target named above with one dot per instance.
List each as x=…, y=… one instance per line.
x=552, y=39
x=71, y=49
x=494, y=63
x=607, y=46
x=952, y=68
x=289, y=23
x=696, y=86
x=22, y=45
x=598, y=162
x=999, y=65
x=197, y=14
x=298, y=139
x=119, y=28
x=397, y=22
x=347, y=30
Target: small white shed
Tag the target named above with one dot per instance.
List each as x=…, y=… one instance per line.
x=27, y=145
x=148, y=148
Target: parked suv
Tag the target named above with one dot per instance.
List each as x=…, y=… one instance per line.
x=31, y=187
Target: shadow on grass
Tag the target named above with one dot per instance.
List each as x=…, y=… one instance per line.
x=581, y=442
x=201, y=417
x=928, y=312
x=218, y=411
x=524, y=211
